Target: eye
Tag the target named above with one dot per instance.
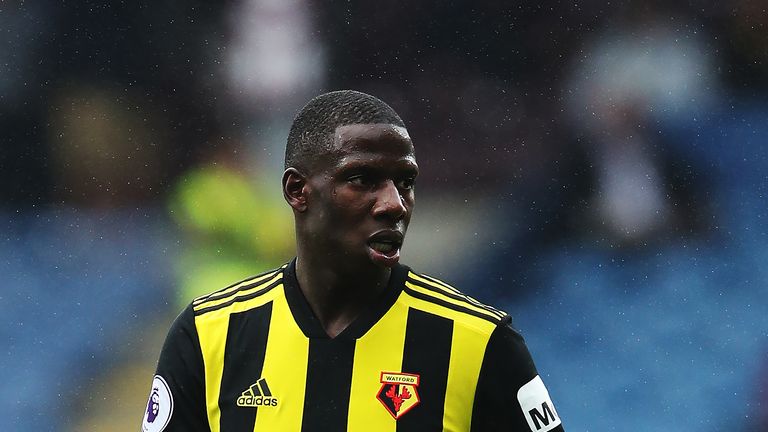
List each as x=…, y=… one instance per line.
x=406, y=184
x=359, y=180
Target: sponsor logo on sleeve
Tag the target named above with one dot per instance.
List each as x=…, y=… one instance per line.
x=159, y=406
x=537, y=407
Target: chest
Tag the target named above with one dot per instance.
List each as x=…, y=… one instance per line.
x=412, y=370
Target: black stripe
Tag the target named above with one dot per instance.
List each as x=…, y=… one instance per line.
x=222, y=294
x=475, y=302
x=264, y=387
x=427, y=353
x=450, y=305
x=243, y=363
x=329, y=379
x=453, y=295
x=239, y=298
x=206, y=297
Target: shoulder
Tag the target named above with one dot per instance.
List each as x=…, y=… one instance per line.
x=442, y=298
x=246, y=294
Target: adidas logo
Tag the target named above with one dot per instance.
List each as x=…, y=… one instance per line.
x=257, y=395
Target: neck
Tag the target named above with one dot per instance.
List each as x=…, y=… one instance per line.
x=338, y=295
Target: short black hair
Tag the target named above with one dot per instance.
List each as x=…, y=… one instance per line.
x=312, y=130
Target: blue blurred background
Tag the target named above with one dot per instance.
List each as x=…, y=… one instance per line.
x=599, y=170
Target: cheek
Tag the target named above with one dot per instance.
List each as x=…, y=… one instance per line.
x=348, y=204
x=410, y=201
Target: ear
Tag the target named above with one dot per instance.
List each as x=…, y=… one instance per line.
x=295, y=189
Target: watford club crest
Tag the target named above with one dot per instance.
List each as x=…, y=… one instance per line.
x=398, y=392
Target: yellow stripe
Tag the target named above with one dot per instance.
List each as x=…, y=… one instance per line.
x=462, y=303
x=467, y=351
x=285, y=369
x=437, y=283
x=470, y=337
x=242, y=305
x=449, y=289
x=212, y=332
x=234, y=288
x=380, y=349
x=239, y=294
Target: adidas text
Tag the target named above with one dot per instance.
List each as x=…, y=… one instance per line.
x=256, y=401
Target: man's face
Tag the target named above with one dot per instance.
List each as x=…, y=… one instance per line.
x=361, y=196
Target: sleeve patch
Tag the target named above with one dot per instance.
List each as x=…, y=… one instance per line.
x=537, y=406
x=159, y=406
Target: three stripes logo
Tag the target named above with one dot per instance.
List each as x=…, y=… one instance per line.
x=258, y=394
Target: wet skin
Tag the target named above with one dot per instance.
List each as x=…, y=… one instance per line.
x=352, y=213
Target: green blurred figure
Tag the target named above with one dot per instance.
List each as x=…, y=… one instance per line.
x=234, y=228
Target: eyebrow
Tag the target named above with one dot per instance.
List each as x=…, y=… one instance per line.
x=405, y=165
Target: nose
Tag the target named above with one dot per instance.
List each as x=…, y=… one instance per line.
x=389, y=202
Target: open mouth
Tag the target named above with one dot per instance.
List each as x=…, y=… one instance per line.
x=385, y=246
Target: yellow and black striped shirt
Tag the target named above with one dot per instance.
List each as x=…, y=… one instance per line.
x=253, y=357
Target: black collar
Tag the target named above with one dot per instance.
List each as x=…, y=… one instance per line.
x=310, y=325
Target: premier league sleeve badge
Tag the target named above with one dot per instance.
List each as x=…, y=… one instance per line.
x=159, y=406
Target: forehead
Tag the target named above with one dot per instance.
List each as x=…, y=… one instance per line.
x=372, y=138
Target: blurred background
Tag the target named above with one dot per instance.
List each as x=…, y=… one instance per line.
x=599, y=170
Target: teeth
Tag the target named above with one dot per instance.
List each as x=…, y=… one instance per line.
x=383, y=247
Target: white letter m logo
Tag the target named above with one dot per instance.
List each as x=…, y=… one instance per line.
x=537, y=407
x=545, y=416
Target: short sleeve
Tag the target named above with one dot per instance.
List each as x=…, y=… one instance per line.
x=177, y=395
x=510, y=395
